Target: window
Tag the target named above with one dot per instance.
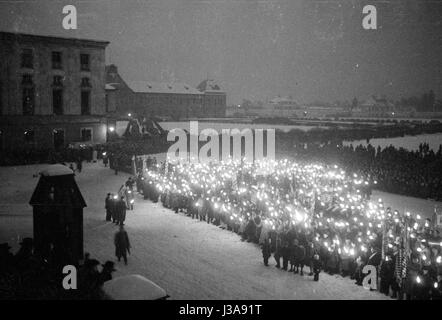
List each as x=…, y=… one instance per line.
x=27, y=59
x=85, y=83
x=85, y=102
x=58, y=138
x=29, y=136
x=56, y=60
x=28, y=101
x=57, y=101
x=27, y=80
x=86, y=134
x=84, y=62
x=58, y=81
x=28, y=98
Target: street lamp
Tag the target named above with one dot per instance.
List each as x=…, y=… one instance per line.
x=111, y=129
x=129, y=114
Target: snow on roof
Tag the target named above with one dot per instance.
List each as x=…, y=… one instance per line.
x=209, y=85
x=56, y=170
x=133, y=287
x=161, y=87
x=376, y=101
x=283, y=100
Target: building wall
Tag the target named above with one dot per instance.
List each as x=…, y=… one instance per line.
x=172, y=105
x=13, y=136
x=44, y=119
x=214, y=105
x=165, y=104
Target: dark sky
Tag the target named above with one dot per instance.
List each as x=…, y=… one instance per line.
x=310, y=49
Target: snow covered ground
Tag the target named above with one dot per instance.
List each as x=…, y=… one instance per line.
x=189, y=259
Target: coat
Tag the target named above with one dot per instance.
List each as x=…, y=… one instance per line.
x=121, y=210
x=108, y=203
x=122, y=244
x=299, y=257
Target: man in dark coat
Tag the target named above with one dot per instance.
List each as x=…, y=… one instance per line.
x=266, y=251
x=121, y=211
x=88, y=279
x=317, y=264
x=299, y=251
x=106, y=273
x=386, y=273
x=278, y=248
x=79, y=165
x=122, y=244
x=105, y=159
x=108, y=207
x=6, y=258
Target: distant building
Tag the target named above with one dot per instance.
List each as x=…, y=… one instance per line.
x=157, y=99
x=375, y=106
x=283, y=107
x=52, y=91
x=214, y=99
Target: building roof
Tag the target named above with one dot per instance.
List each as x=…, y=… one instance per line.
x=376, y=101
x=161, y=87
x=55, y=39
x=56, y=170
x=209, y=85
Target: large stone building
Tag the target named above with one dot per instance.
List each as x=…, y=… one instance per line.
x=375, y=106
x=52, y=91
x=157, y=99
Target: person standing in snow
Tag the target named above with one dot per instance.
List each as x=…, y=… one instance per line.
x=108, y=207
x=121, y=211
x=122, y=244
x=316, y=267
x=266, y=251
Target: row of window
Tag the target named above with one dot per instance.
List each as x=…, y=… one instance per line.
x=27, y=60
x=28, y=96
x=181, y=100
x=58, y=136
x=57, y=81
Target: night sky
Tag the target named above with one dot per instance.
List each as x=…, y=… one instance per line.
x=312, y=50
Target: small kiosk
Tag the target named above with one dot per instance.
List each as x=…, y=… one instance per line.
x=58, y=216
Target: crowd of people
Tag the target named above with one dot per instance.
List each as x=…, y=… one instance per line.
x=359, y=131
x=306, y=215
x=26, y=275
x=119, y=155
x=411, y=173
x=116, y=206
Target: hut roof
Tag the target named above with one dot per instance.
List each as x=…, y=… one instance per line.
x=57, y=180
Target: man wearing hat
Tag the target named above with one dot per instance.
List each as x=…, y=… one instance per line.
x=25, y=252
x=106, y=273
x=6, y=258
x=108, y=207
x=122, y=244
x=121, y=211
x=88, y=278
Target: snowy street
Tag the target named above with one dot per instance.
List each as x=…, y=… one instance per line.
x=188, y=258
